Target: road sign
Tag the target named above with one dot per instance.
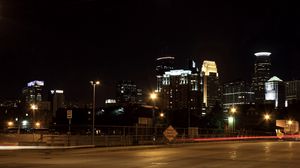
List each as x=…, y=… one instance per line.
x=170, y=133
x=69, y=114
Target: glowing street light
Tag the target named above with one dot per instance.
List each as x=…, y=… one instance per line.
x=10, y=123
x=290, y=122
x=162, y=115
x=233, y=110
x=153, y=97
x=94, y=83
x=37, y=124
x=231, y=119
x=33, y=107
x=267, y=117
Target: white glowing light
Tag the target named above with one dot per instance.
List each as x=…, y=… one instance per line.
x=177, y=72
x=35, y=83
x=162, y=58
x=24, y=122
x=230, y=119
x=258, y=54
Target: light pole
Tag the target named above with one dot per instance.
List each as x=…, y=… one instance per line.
x=290, y=122
x=232, y=117
x=153, y=97
x=267, y=117
x=94, y=83
x=33, y=107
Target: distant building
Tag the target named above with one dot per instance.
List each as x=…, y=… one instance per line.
x=211, y=87
x=237, y=94
x=275, y=91
x=262, y=73
x=139, y=96
x=163, y=64
x=292, y=91
x=33, y=92
x=181, y=89
x=57, y=100
x=128, y=93
x=110, y=102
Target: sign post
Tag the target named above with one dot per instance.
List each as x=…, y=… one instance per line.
x=69, y=117
x=170, y=133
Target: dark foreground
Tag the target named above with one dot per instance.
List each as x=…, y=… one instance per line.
x=210, y=154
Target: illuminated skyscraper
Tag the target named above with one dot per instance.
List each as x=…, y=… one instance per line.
x=163, y=64
x=211, y=88
x=262, y=73
x=33, y=92
x=181, y=92
x=275, y=91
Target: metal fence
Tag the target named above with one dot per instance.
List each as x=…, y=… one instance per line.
x=115, y=136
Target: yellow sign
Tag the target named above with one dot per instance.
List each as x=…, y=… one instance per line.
x=279, y=134
x=170, y=133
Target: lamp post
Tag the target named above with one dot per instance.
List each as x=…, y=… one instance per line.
x=94, y=83
x=232, y=117
x=153, y=97
x=290, y=122
x=33, y=107
x=267, y=117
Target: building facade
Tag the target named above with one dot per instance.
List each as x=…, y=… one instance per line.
x=128, y=93
x=275, y=92
x=163, y=64
x=236, y=94
x=33, y=92
x=181, y=89
x=211, y=86
x=262, y=73
x=57, y=100
x=292, y=91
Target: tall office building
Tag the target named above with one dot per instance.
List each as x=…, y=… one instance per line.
x=211, y=87
x=163, y=64
x=275, y=91
x=262, y=73
x=33, y=92
x=181, y=90
x=181, y=96
x=127, y=92
x=57, y=100
x=236, y=94
x=292, y=91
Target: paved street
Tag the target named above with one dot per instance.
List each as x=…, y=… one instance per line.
x=208, y=154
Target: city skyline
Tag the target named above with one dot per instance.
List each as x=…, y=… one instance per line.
x=69, y=43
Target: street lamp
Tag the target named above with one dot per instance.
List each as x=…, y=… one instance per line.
x=153, y=97
x=233, y=110
x=33, y=107
x=231, y=119
x=290, y=122
x=10, y=123
x=267, y=117
x=162, y=115
x=94, y=83
x=37, y=124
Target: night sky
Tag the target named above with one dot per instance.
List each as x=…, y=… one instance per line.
x=67, y=43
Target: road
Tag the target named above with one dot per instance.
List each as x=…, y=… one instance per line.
x=206, y=154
